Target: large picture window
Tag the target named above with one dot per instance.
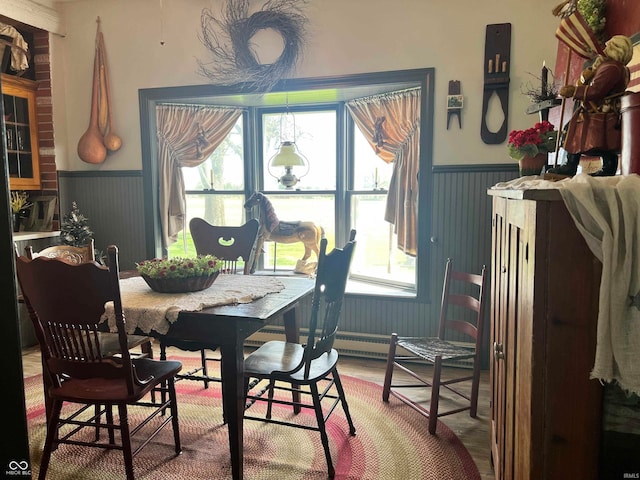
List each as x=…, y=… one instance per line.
x=344, y=184
x=215, y=192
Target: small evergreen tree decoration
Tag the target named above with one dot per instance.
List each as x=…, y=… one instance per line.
x=75, y=229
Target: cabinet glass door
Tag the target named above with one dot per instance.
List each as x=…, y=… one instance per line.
x=19, y=118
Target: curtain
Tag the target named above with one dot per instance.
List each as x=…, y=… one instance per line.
x=391, y=124
x=187, y=135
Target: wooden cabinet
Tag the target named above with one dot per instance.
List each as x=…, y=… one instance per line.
x=545, y=411
x=19, y=97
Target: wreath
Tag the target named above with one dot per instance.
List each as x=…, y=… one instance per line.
x=228, y=39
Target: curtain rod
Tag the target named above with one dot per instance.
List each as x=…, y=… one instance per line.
x=172, y=104
x=380, y=96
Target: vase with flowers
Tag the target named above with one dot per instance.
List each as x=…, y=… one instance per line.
x=531, y=147
x=20, y=205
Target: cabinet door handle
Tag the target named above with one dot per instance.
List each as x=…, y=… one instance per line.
x=498, y=351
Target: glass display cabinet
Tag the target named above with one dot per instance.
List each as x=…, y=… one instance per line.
x=19, y=98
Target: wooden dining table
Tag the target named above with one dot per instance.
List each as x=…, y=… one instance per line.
x=229, y=326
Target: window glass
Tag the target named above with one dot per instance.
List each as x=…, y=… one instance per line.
x=215, y=189
x=370, y=171
x=315, y=139
x=377, y=255
x=224, y=169
x=318, y=209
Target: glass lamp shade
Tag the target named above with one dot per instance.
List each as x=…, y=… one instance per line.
x=288, y=156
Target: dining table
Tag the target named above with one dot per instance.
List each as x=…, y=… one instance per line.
x=226, y=314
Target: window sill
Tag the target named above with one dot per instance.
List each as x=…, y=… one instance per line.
x=355, y=287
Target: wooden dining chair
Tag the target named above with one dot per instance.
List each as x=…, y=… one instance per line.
x=74, y=255
x=309, y=370
x=235, y=247
x=68, y=253
x=466, y=302
x=66, y=302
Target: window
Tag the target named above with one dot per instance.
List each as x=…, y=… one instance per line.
x=215, y=189
x=215, y=192
x=377, y=256
x=315, y=137
x=346, y=185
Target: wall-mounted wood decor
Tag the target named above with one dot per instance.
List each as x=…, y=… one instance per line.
x=497, y=62
x=455, y=102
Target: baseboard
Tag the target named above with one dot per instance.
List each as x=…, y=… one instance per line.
x=362, y=345
x=347, y=343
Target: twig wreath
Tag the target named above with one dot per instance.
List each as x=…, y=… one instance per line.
x=228, y=39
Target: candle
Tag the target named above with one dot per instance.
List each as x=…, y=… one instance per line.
x=545, y=73
x=376, y=179
x=211, y=179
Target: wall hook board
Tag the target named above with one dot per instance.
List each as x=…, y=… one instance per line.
x=497, y=62
x=454, y=102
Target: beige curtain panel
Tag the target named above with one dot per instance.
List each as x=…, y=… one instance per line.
x=187, y=136
x=391, y=124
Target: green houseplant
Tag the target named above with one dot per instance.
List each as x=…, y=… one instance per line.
x=177, y=274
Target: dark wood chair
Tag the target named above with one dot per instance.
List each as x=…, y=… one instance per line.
x=66, y=302
x=68, y=253
x=309, y=370
x=235, y=246
x=84, y=254
x=468, y=299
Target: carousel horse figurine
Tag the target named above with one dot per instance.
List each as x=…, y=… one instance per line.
x=278, y=231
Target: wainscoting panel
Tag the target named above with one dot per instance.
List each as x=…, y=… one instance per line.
x=114, y=205
x=460, y=229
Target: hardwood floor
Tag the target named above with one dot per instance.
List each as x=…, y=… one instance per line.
x=473, y=432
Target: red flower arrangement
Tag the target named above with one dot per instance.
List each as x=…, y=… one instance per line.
x=541, y=138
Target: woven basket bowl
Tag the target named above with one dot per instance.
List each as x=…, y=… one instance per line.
x=180, y=285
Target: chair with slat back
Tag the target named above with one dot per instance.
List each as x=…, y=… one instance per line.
x=68, y=253
x=86, y=254
x=300, y=369
x=465, y=300
x=67, y=302
x=235, y=246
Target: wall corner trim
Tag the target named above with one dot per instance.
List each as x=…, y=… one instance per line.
x=34, y=14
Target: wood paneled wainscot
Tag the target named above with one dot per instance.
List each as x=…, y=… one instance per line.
x=545, y=411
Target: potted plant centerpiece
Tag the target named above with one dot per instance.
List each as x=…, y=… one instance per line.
x=177, y=274
x=532, y=146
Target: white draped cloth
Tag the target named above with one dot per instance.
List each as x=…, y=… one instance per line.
x=606, y=211
x=149, y=310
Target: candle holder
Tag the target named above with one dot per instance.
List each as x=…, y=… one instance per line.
x=545, y=97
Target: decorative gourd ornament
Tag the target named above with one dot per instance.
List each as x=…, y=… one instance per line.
x=91, y=148
x=111, y=141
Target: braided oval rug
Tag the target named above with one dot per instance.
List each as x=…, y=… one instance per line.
x=391, y=442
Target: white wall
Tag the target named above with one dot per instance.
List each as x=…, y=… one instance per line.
x=345, y=37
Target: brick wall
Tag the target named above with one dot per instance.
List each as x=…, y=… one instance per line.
x=44, y=109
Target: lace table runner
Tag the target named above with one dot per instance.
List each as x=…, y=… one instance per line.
x=149, y=310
